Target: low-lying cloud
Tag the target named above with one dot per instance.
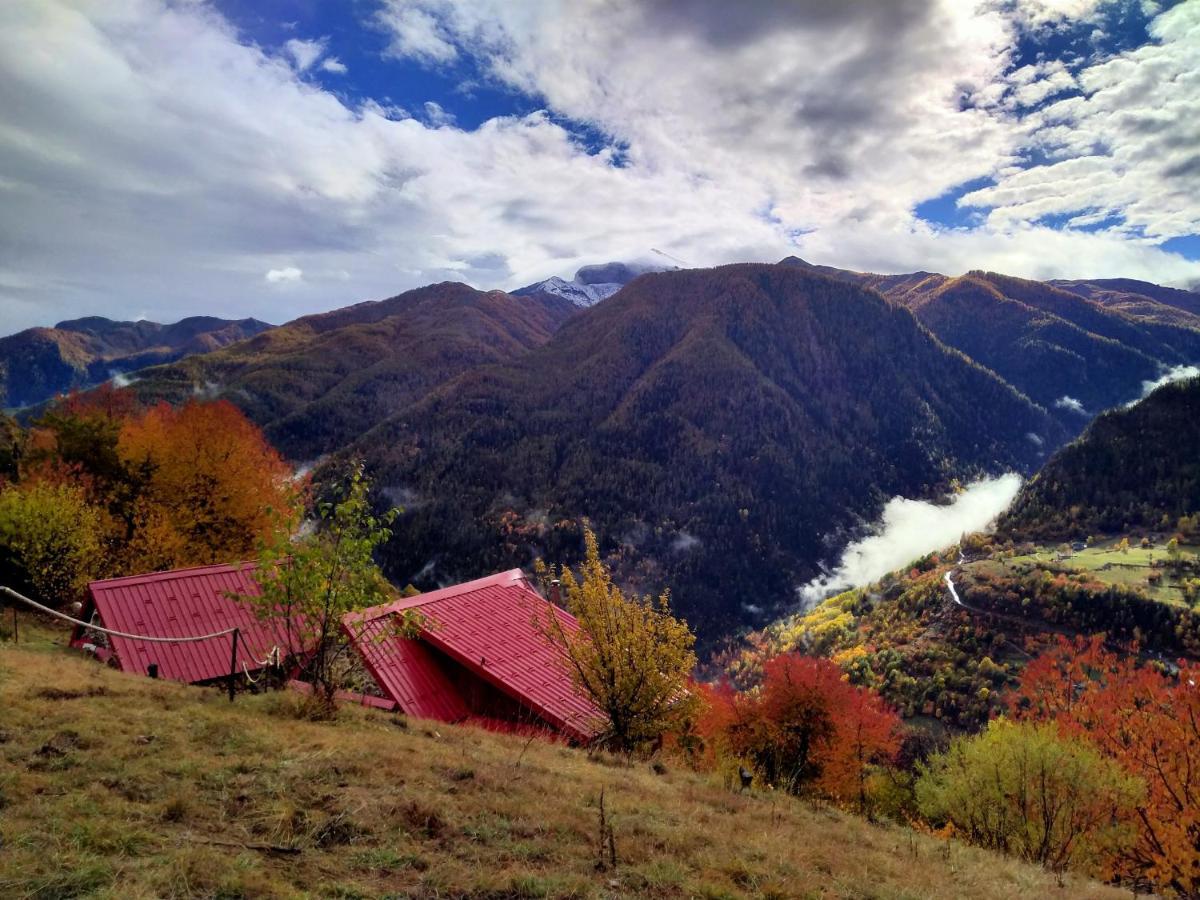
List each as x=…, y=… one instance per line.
x=909, y=529
x=1070, y=403
x=1177, y=373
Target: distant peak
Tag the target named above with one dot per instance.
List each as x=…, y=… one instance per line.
x=592, y=283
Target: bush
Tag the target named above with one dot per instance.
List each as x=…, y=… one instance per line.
x=1026, y=790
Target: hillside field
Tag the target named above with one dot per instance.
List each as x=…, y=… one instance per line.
x=114, y=786
x=1132, y=568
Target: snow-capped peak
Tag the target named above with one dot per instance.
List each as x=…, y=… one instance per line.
x=586, y=289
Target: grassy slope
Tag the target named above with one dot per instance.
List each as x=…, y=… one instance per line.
x=138, y=789
x=1108, y=565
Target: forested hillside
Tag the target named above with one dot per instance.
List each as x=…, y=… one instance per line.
x=38, y=363
x=1133, y=468
x=718, y=426
x=1076, y=348
x=318, y=383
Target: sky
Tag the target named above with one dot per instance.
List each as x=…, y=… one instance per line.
x=270, y=158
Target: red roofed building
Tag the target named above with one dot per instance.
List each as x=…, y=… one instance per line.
x=479, y=655
x=181, y=603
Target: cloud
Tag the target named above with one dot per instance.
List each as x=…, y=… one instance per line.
x=415, y=32
x=1127, y=147
x=437, y=115
x=284, y=275
x=1056, y=12
x=334, y=65
x=1177, y=373
x=304, y=53
x=909, y=529
x=189, y=162
x=1071, y=404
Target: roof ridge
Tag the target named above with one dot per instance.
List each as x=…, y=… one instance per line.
x=505, y=578
x=170, y=574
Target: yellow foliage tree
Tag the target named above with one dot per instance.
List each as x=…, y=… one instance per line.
x=50, y=540
x=630, y=656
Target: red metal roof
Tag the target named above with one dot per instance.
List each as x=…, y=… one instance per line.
x=182, y=603
x=488, y=626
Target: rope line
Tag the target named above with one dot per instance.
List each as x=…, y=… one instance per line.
x=248, y=678
x=123, y=634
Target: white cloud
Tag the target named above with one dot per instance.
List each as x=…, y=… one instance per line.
x=1054, y=12
x=437, y=115
x=909, y=529
x=304, y=53
x=1177, y=373
x=286, y=274
x=334, y=65
x=415, y=32
x=1070, y=404
x=1129, y=146
x=188, y=163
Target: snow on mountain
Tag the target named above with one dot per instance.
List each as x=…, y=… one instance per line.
x=591, y=284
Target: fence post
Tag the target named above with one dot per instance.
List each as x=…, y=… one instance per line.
x=233, y=664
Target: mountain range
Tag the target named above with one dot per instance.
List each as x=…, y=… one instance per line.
x=1073, y=347
x=724, y=429
x=39, y=363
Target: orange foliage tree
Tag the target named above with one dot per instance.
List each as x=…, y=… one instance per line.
x=1149, y=722
x=172, y=486
x=808, y=727
x=214, y=488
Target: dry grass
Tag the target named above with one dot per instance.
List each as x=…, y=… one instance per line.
x=116, y=786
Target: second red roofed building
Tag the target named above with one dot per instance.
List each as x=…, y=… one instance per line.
x=479, y=654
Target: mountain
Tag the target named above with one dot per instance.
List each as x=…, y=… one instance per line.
x=1133, y=469
x=1073, y=347
x=591, y=284
x=39, y=363
x=318, y=382
x=1140, y=299
x=718, y=426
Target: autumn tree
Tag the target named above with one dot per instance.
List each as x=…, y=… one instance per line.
x=312, y=581
x=1146, y=721
x=213, y=488
x=867, y=733
x=629, y=655
x=50, y=540
x=1027, y=790
x=807, y=728
x=175, y=486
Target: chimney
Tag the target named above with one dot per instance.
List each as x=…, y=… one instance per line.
x=555, y=592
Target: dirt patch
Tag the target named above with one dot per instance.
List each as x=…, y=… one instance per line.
x=422, y=820
x=60, y=745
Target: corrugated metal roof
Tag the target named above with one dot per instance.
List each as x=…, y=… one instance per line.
x=182, y=603
x=490, y=627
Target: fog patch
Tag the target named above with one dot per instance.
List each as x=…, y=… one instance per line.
x=404, y=497
x=1176, y=373
x=120, y=379
x=908, y=529
x=1070, y=403
x=208, y=391
x=304, y=469
x=684, y=542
